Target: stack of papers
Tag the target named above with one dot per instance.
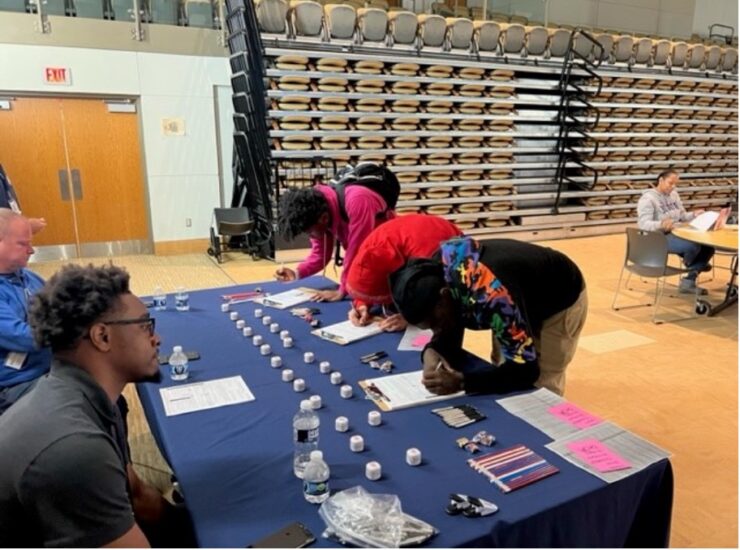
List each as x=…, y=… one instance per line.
x=287, y=299
x=205, y=395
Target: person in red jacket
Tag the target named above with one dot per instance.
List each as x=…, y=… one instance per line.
x=384, y=251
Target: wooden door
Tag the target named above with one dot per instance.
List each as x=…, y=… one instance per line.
x=33, y=154
x=104, y=150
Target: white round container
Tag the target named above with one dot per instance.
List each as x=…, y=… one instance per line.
x=257, y=340
x=336, y=377
x=276, y=362
x=345, y=391
x=308, y=357
x=265, y=349
x=225, y=307
x=287, y=375
x=356, y=444
x=258, y=313
x=288, y=342
x=247, y=331
x=373, y=471
x=234, y=315
x=341, y=424
x=374, y=418
x=413, y=456
x=240, y=324
x=299, y=385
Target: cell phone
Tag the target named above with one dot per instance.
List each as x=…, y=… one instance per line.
x=191, y=355
x=295, y=535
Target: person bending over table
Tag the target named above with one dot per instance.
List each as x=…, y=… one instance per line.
x=385, y=250
x=315, y=210
x=532, y=298
x=659, y=209
x=66, y=478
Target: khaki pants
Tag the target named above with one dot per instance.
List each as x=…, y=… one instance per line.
x=557, y=344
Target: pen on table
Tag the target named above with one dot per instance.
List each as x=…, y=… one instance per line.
x=439, y=366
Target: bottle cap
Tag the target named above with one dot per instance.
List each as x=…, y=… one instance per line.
x=317, y=455
x=177, y=349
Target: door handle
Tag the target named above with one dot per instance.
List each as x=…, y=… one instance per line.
x=76, y=184
x=64, y=184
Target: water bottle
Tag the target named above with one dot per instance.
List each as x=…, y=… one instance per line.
x=316, y=479
x=305, y=436
x=178, y=364
x=182, y=299
x=160, y=299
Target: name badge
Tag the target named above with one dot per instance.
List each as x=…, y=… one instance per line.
x=15, y=360
x=14, y=206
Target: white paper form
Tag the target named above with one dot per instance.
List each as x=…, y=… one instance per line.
x=205, y=395
x=704, y=221
x=413, y=337
x=400, y=391
x=533, y=409
x=345, y=332
x=289, y=298
x=634, y=449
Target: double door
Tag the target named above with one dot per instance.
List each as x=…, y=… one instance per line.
x=77, y=163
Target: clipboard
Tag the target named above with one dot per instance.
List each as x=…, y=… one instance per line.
x=287, y=299
x=345, y=332
x=401, y=391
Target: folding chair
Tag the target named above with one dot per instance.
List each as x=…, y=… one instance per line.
x=232, y=227
x=487, y=34
x=341, y=21
x=647, y=257
x=373, y=24
x=432, y=30
x=403, y=27
x=459, y=32
x=536, y=40
x=272, y=16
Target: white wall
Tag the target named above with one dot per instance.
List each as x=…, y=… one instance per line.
x=182, y=172
x=708, y=12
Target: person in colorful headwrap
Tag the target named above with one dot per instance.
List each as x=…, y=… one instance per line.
x=385, y=250
x=533, y=300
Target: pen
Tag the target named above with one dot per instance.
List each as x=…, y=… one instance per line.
x=439, y=366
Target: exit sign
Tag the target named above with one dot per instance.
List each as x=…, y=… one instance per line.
x=58, y=75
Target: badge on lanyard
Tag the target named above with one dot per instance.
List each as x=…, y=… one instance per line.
x=15, y=360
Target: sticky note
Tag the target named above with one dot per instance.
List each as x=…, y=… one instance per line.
x=574, y=415
x=594, y=453
x=421, y=340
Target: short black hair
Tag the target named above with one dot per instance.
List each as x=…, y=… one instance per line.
x=72, y=300
x=300, y=209
x=416, y=288
x=665, y=174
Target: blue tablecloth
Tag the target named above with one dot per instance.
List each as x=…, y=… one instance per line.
x=234, y=463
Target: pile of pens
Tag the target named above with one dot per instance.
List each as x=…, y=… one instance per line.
x=458, y=416
x=374, y=356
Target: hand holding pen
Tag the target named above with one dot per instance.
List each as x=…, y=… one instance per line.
x=442, y=379
x=360, y=316
x=285, y=274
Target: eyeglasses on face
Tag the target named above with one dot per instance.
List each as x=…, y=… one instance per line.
x=150, y=323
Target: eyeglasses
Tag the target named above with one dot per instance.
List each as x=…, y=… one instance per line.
x=150, y=323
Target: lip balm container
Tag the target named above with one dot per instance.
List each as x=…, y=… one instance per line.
x=299, y=385
x=234, y=315
x=284, y=334
x=341, y=424
x=413, y=456
x=308, y=357
x=276, y=362
x=225, y=307
x=257, y=340
x=374, y=418
x=258, y=313
x=356, y=444
x=345, y=391
x=265, y=349
x=288, y=342
x=373, y=471
x=287, y=375
x=240, y=324
x=247, y=331
x=315, y=401
x=274, y=327
x=336, y=377
x=266, y=320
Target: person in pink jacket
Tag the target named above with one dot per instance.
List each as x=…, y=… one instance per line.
x=315, y=210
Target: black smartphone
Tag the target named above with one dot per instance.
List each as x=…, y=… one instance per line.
x=191, y=355
x=295, y=535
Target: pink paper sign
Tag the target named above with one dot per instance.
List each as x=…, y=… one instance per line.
x=576, y=416
x=421, y=340
x=594, y=453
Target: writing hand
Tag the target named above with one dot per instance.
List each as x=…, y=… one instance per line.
x=359, y=316
x=393, y=323
x=443, y=380
x=285, y=274
x=37, y=224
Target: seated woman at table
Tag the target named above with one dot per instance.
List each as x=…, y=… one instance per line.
x=659, y=209
x=386, y=249
x=532, y=298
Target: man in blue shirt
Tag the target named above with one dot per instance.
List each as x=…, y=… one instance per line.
x=22, y=362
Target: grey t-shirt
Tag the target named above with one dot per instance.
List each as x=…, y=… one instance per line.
x=63, y=465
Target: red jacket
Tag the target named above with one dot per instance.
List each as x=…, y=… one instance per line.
x=387, y=248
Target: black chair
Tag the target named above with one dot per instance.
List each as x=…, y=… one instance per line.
x=647, y=257
x=232, y=229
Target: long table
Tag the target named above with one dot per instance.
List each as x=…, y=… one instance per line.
x=234, y=464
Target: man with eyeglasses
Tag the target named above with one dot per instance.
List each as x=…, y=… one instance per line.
x=22, y=361
x=66, y=478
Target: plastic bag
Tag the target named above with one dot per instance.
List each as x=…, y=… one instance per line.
x=364, y=519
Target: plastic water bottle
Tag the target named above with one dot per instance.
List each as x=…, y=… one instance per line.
x=316, y=479
x=182, y=299
x=160, y=299
x=178, y=364
x=305, y=436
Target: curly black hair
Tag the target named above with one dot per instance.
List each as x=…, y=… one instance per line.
x=300, y=209
x=72, y=300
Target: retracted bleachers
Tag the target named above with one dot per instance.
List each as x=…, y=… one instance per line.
x=468, y=115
